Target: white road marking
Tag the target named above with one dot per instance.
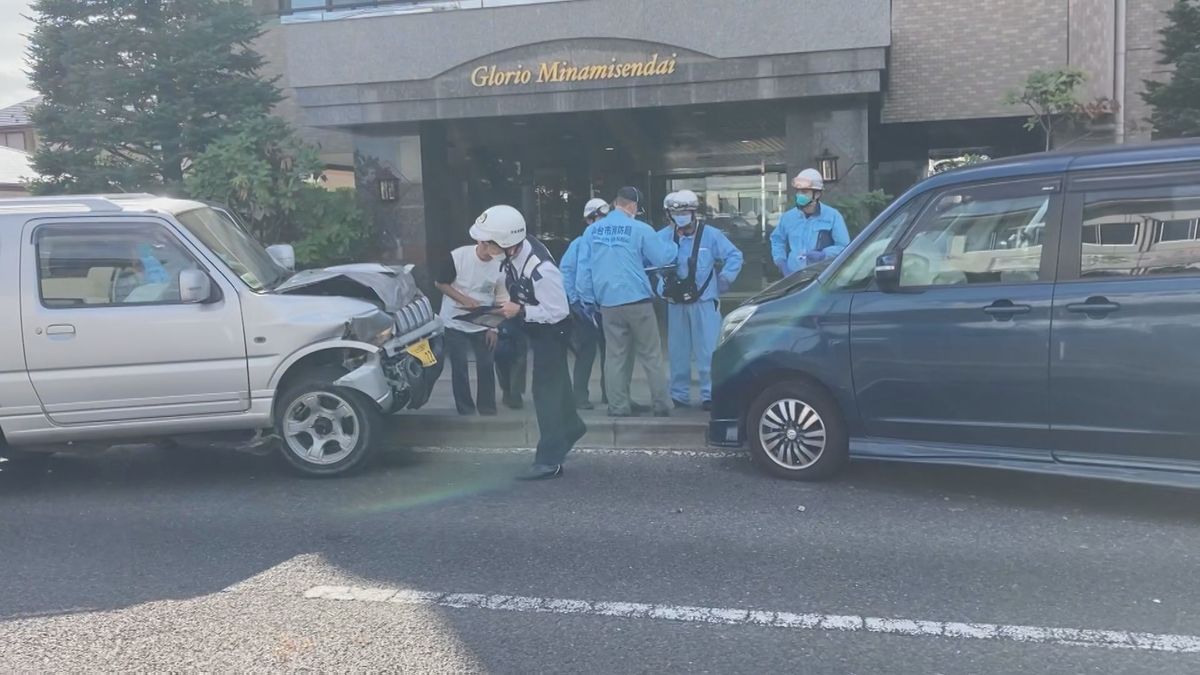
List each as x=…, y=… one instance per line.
x=1076, y=637
x=620, y=452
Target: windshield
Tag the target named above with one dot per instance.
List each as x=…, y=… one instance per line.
x=858, y=269
x=235, y=247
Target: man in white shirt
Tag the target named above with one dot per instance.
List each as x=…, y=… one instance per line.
x=470, y=278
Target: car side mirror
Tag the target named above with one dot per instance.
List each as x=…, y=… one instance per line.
x=887, y=272
x=283, y=255
x=195, y=287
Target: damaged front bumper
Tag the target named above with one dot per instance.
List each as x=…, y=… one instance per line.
x=401, y=374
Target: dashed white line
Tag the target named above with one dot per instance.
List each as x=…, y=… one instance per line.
x=1077, y=637
x=620, y=452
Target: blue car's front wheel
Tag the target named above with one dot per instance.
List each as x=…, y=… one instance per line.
x=797, y=432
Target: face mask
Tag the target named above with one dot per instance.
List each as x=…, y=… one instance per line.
x=803, y=200
x=682, y=219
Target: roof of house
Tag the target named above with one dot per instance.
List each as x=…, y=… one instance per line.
x=18, y=115
x=14, y=165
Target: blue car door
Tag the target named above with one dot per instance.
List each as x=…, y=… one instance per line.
x=958, y=353
x=1125, y=352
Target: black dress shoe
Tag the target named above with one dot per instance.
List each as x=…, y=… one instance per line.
x=706, y=406
x=541, y=472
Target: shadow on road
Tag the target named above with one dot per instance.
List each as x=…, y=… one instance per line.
x=134, y=526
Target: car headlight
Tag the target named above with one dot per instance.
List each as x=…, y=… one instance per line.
x=735, y=320
x=383, y=337
x=376, y=328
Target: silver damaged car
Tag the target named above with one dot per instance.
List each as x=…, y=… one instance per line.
x=134, y=318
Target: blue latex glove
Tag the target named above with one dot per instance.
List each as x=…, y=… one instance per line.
x=815, y=256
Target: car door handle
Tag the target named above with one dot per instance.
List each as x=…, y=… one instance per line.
x=60, y=329
x=1096, y=307
x=1002, y=310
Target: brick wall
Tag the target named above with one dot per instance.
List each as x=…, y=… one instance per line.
x=955, y=59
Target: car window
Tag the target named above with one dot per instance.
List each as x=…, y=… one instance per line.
x=1147, y=232
x=977, y=237
x=858, y=270
x=87, y=266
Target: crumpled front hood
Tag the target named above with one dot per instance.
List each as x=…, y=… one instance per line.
x=390, y=288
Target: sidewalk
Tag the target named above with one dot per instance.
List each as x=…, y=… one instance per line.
x=438, y=424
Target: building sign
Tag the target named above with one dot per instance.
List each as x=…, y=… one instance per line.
x=564, y=71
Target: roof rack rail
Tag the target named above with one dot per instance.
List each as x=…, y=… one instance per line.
x=117, y=196
x=91, y=202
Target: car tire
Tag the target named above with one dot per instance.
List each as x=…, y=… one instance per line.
x=796, y=431
x=326, y=430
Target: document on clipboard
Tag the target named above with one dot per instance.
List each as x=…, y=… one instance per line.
x=487, y=317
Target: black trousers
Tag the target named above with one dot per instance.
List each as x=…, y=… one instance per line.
x=512, y=359
x=589, y=341
x=457, y=344
x=559, y=425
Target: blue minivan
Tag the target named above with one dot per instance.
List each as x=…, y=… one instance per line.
x=1039, y=313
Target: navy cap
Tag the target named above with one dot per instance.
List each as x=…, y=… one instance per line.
x=630, y=193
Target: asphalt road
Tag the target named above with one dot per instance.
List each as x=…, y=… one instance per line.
x=157, y=560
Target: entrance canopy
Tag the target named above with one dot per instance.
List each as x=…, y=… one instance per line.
x=589, y=55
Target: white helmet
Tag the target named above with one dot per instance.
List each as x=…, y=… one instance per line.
x=501, y=224
x=684, y=200
x=814, y=178
x=595, y=206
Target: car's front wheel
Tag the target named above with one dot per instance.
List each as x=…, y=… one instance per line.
x=326, y=430
x=796, y=431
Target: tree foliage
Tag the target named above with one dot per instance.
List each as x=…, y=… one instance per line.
x=333, y=229
x=259, y=169
x=1053, y=99
x=269, y=176
x=1176, y=103
x=860, y=209
x=133, y=90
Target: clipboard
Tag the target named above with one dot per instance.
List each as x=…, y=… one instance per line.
x=483, y=316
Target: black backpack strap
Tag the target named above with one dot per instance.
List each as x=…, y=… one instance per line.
x=696, y=258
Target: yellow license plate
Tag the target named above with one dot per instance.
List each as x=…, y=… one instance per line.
x=423, y=353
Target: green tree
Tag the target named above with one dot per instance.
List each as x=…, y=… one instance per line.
x=259, y=169
x=1176, y=104
x=269, y=176
x=1053, y=99
x=333, y=229
x=133, y=90
x=860, y=209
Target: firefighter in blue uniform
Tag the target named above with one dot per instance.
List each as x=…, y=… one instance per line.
x=692, y=292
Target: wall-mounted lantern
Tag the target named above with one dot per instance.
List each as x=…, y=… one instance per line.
x=389, y=186
x=827, y=164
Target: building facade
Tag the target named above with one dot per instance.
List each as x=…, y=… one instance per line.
x=441, y=108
